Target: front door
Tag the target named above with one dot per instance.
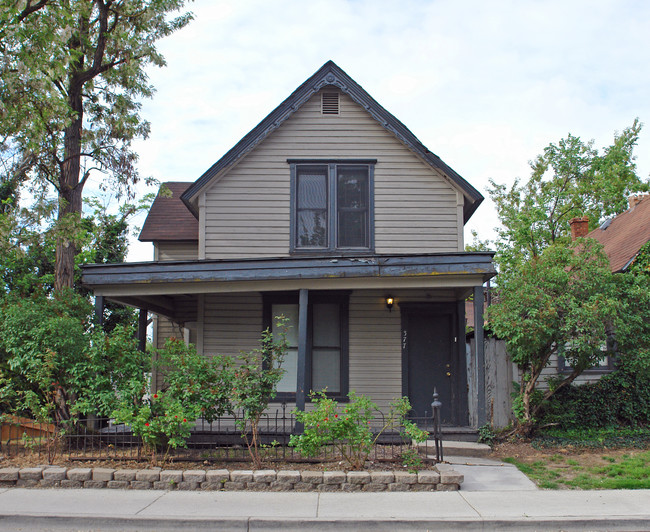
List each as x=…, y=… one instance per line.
x=428, y=358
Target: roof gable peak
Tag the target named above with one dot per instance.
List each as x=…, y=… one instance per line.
x=330, y=74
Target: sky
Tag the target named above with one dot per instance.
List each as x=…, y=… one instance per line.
x=485, y=85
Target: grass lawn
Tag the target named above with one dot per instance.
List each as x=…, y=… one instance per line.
x=565, y=465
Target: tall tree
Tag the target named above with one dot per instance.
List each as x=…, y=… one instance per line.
x=72, y=73
x=569, y=179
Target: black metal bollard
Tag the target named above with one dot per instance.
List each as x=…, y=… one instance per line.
x=437, y=436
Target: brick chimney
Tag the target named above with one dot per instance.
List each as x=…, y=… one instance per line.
x=636, y=199
x=579, y=227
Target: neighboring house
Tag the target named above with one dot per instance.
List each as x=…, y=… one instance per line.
x=325, y=210
x=622, y=238
x=624, y=235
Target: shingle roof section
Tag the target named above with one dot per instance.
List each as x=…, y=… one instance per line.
x=624, y=236
x=169, y=219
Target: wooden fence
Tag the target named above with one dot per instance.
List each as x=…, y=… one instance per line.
x=498, y=383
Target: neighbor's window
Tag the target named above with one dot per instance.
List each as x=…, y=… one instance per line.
x=332, y=208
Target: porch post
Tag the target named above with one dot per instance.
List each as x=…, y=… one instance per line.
x=142, y=329
x=99, y=310
x=302, y=352
x=479, y=354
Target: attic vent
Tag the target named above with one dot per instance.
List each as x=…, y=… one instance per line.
x=330, y=103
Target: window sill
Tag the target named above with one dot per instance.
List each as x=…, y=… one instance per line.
x=291, y=398
x=336, y=252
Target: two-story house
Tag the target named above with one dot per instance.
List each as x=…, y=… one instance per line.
x=333, y=214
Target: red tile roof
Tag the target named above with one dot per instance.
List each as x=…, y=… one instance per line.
x=169, y=219
x=625, y=234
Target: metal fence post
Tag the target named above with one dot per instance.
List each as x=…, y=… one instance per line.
x=435, y=411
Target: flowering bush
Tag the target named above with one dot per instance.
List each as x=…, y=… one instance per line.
x=194, y=387
x=161, y=421
x=348, y=428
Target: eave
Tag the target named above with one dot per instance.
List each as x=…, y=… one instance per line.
x=334, y=272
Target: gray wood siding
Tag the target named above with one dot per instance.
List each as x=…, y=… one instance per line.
x=247, y=211
x=231, y=323
x=165, y=251
x=552, y=371
x=375, y=348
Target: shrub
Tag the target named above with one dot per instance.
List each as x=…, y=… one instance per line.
x=194, y=387
x=255, y=383
x=348, y=428
x=621, y=398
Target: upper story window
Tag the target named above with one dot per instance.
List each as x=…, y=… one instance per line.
x=332, y=206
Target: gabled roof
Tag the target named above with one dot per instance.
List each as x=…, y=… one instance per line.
x=331, y=75
x=169, y=212
x=623, y=236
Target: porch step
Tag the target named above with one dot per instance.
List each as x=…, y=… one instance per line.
x=468, y=434
x=465, y=448
x=460, y=448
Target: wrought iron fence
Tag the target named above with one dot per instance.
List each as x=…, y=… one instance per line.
x=218, y=441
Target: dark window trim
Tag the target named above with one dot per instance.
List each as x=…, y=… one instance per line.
x=342, y=297
x=332, y=217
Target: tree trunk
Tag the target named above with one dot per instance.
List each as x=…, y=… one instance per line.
x=70, y=192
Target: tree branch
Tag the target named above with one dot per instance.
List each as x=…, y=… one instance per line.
x=29, y=9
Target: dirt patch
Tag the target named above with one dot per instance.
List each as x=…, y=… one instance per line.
x=33, y=460
x=568, y=467
x=526, y=453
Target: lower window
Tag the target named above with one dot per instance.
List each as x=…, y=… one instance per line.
x=326, y=361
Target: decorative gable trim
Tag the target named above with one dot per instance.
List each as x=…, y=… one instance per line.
x=331, y=75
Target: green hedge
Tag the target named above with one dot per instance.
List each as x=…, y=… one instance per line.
x=621, y=398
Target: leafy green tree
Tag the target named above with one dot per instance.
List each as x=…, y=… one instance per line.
x=71, y=76
x=46, y=342
x=554, y=296
x=28, y=240
x=570, y=179
x=565, y=301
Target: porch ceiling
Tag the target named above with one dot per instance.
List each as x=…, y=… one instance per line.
x=135, y=282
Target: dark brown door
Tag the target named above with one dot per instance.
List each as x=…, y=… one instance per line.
x=428, y=361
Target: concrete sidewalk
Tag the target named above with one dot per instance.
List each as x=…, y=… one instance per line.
x=88, y=509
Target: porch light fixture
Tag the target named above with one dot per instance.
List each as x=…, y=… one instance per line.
x=389, y=303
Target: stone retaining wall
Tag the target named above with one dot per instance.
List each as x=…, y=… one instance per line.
x=223, y=479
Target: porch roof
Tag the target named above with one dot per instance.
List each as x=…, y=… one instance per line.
x=136, y=283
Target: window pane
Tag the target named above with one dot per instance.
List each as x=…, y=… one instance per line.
x=312, y=228
x=353, y=229
x=291, y=313
x=326, y=325
x=352, y=187
x=290, y=365
x=312, y=189
x=326, y=370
